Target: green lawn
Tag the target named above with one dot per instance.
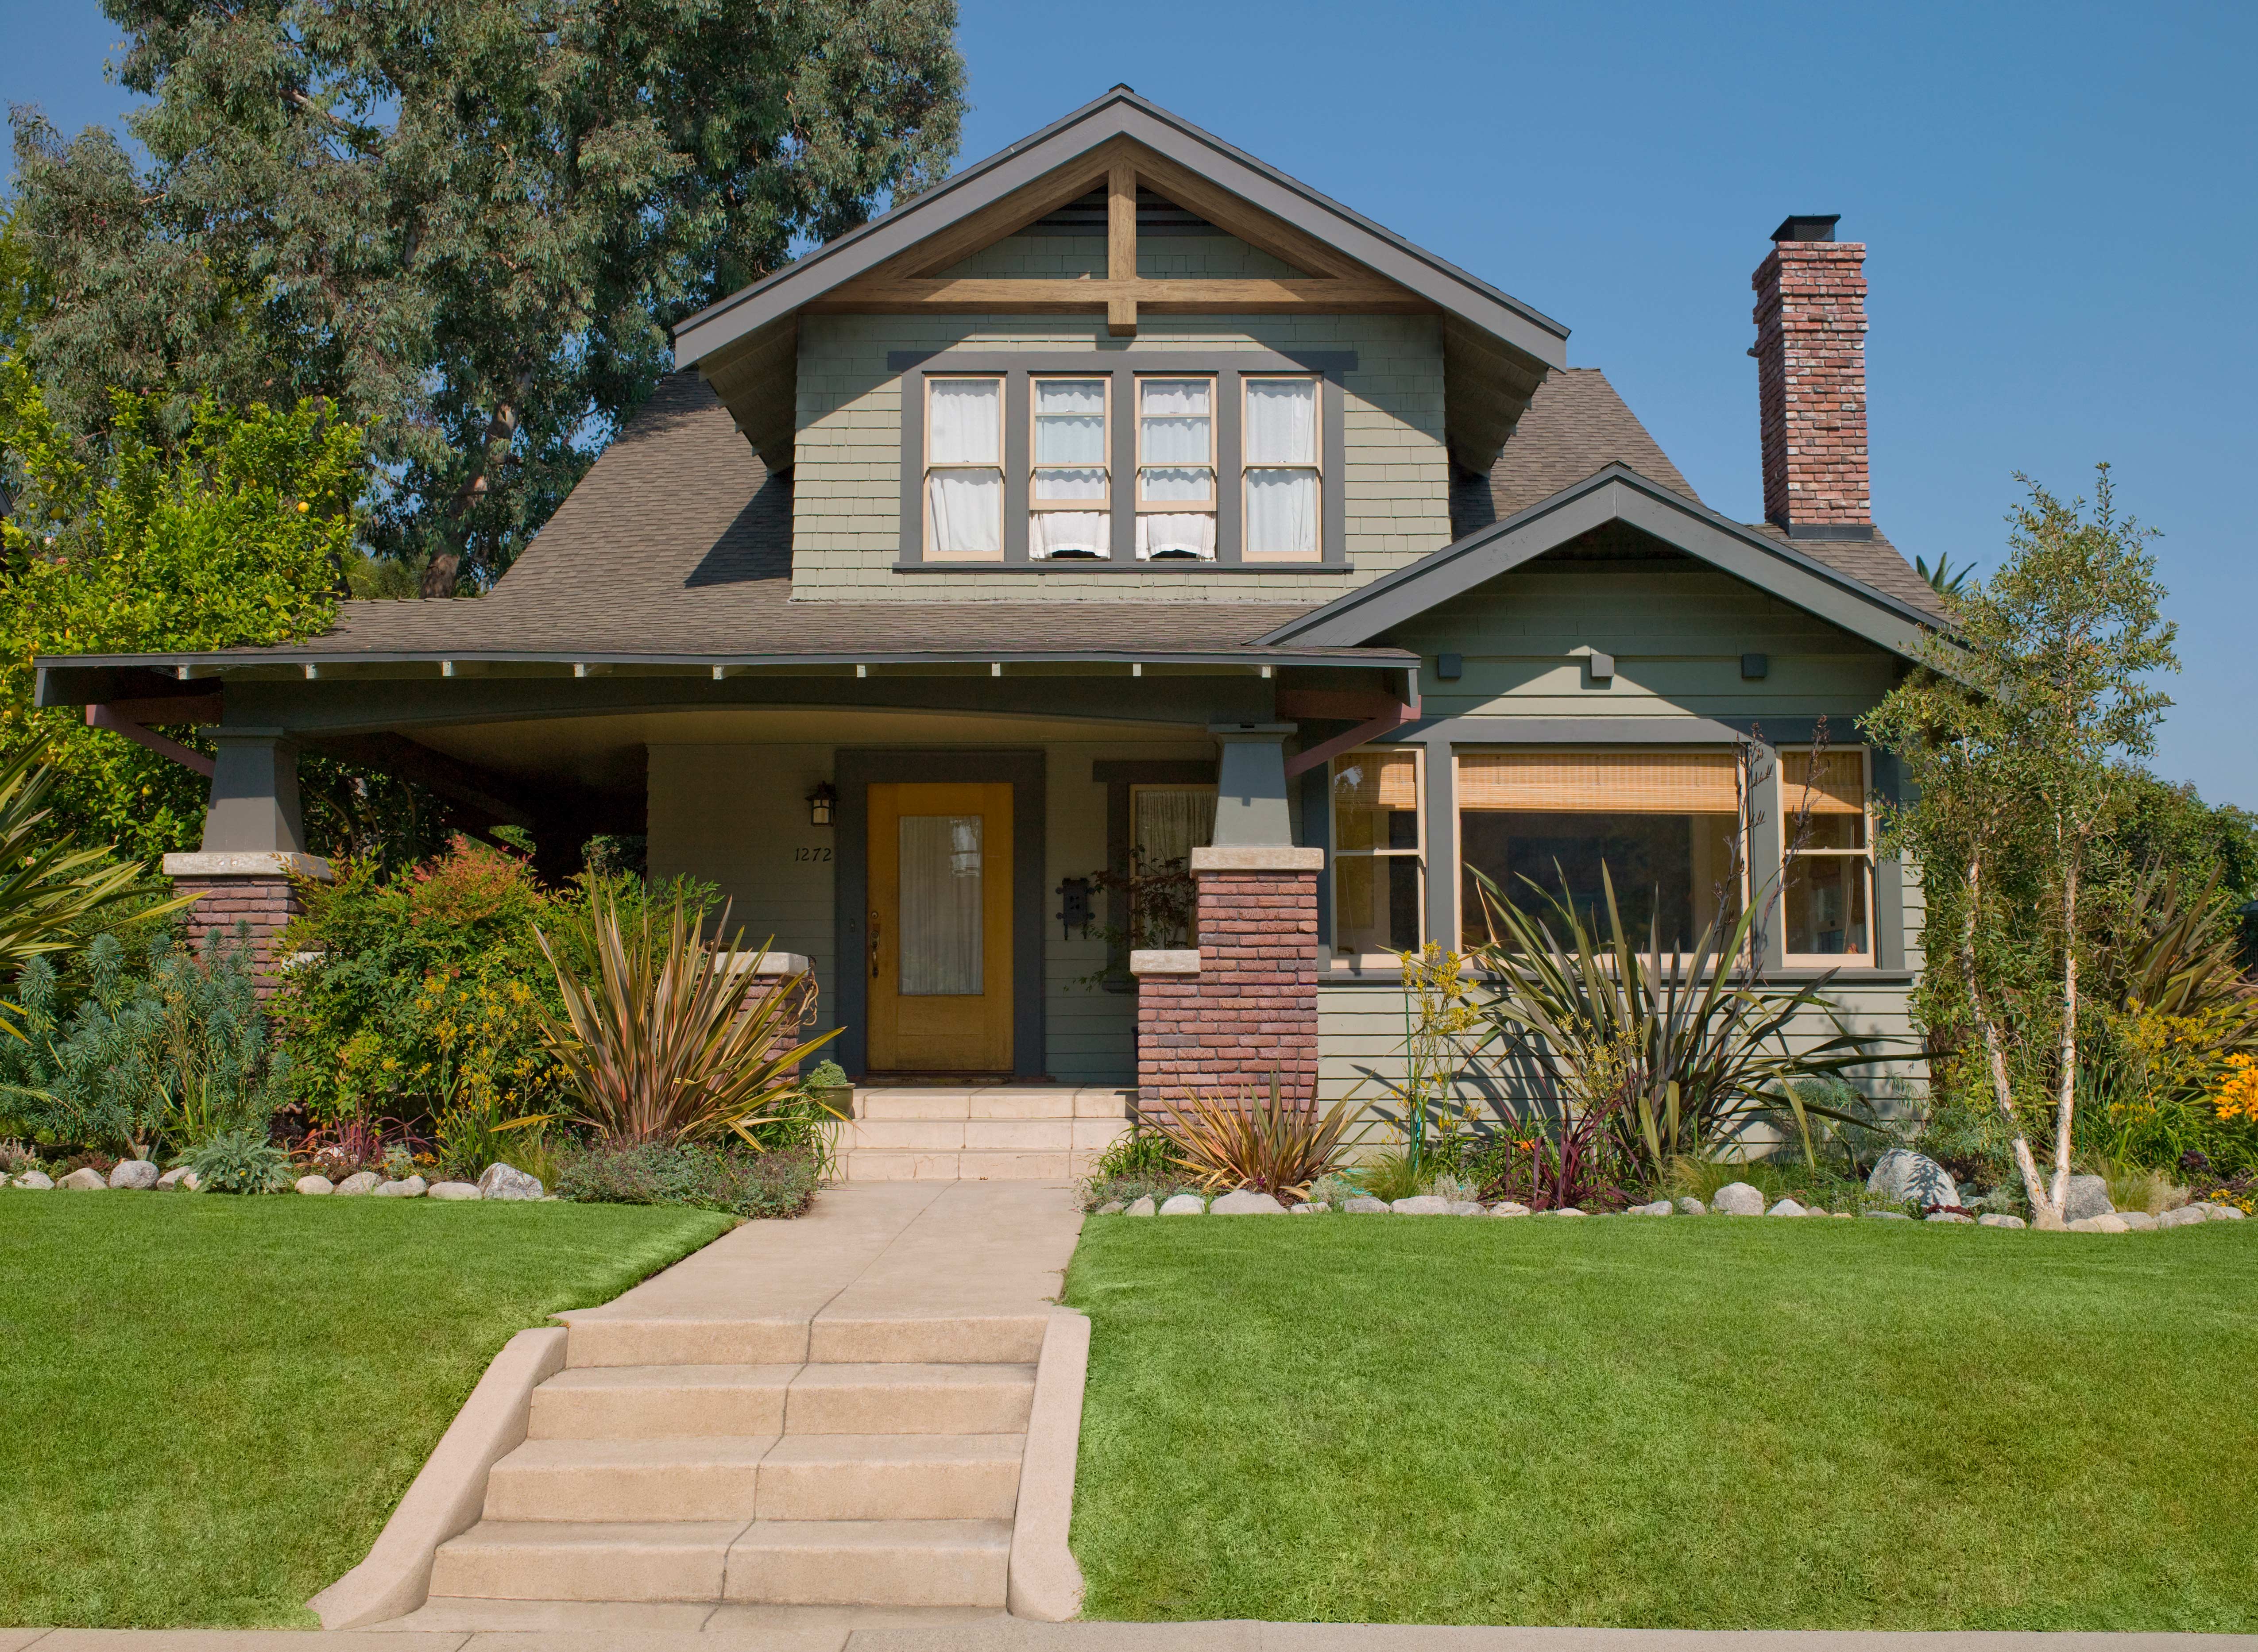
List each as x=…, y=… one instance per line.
x=1703, y=1423
x=209, y=1406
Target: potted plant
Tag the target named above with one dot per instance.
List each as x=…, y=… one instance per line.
x=826, y=1082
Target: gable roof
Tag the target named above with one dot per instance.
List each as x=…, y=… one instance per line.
x=1618, y=493
x=1500, y=346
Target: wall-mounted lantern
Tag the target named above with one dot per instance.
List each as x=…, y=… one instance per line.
x=822, y=802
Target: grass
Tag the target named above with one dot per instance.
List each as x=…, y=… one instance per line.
x=1710, y=1423
x=211, y=1404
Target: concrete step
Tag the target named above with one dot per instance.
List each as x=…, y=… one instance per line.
x=661, y=1402
x=980, y=1135
x=596, y=1340
x=903, y=1339
x=908, y=1398
x=899, y=1477
x=995, y=1102
x=868, y=1164
x=629, y=1480
x=781, y=1562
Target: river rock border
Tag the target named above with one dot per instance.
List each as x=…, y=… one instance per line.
x=135, y=1176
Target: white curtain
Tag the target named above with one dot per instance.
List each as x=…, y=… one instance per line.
x=1282, y=421
x=964, y=424
x=1176, y=533
x=1177, y=419
x=1281, y=513
x=1170, y=822
x=941, y=944
x=1069, y=421
x=1070, y=534
x=967, y=513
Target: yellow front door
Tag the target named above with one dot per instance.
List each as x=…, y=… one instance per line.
x=939, y=928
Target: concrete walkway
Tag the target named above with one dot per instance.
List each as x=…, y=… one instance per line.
x=844, y=1629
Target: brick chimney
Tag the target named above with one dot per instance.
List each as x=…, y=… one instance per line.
x=1811, y=380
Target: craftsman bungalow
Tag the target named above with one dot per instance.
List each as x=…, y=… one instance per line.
x=1121, y=502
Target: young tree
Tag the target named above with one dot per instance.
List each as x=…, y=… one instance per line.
x=2021, y=737
x=468, y=222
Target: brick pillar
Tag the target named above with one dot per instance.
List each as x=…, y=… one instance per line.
x=768, y=972
x=1221, y=1019
x=255, y=888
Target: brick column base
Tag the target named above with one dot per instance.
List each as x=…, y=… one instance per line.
x=256, y=890
x=1221, y=1020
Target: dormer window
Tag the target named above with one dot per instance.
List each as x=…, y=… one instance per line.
x=1117, y=461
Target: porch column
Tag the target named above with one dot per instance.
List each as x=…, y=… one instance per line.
x=254, y=845
x=1219, y=1019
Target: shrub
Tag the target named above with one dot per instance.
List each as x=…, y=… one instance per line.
x=709, y=1178
x=1275, y=1146
x=241, y=1160
x=827, y=1074
x=1143, y=1151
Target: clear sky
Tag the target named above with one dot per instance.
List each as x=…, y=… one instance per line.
x=2057, y=199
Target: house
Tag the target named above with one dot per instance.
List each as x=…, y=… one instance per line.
x=1122, y=507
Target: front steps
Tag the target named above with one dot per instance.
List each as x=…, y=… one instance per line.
x=650, y=1474
x=1004, y=1132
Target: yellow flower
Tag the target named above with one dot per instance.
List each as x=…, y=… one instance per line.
x=2238, y=1098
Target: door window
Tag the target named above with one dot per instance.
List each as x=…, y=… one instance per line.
x=943, y=942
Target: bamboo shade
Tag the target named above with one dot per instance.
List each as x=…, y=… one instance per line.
x=1377, y=780
x=1837, y=783
x=1601, y=781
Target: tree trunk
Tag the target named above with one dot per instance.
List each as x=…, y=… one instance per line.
x=2045, y=1212
x=2066, y=1098
x=445, y=567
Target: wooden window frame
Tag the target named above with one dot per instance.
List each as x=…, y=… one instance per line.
x=1790, y=798
x=1316, y=467
x=915, y=368
x=1212, y=505
x=1035, y=466
x=1338, y=956
x=1001, y=467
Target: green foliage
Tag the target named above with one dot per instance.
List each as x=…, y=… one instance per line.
x=231, y=537
x=470, y=224
x=1141, y=1151
x=1267, y=1143
x=241, y=1160
x=700, y=1175
x=174, y=1049
x=827, y=1074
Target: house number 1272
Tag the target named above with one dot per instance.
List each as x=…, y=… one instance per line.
x=811, y=851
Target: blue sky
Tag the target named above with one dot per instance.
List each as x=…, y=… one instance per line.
x=2056, y=198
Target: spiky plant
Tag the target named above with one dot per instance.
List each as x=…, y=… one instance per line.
x=1275, y=1146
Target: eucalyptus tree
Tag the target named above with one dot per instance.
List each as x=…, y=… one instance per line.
x=468, y=223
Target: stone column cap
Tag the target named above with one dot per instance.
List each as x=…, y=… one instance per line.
x=766, y=963
x=248, y=863
x=1257, y=857
x=1165, y=961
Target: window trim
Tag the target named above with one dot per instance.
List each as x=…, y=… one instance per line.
x=1002, y=467
x=1316, y=467
x=1103, y=504
x=1212, y=505
x=1871, y=958
x=1225, y=365
x=1336, y=956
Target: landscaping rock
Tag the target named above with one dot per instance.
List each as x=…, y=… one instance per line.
x=454, y=1190
x=1244, y=1203
x=1999, y=1222
x=2088, y=1197
x=1692, y=1207
x=2218, y=1212
x=136, y=1173
x=1467, y=1208
x=413, y=1187
x=1737, y=1199
x=315, y=1185
x=1950, y=1216
x=1365, y=1205
x=2107, y=1221
x=85, y=1181
x=1144, y=1206
x=2188, y=1216
x=1903, y=1176
x=1111, y=1208
x=174, y=1178
x=2138, y=1221
x=1887, y=1215
x=33, y=1180
x=360, y=1182
x=1305, y=1208
x=1509, y=1208
x=1659, y=1207
x=1786, y=1207
x=1423, y=1204
x=1185, y=1204
x=1565, y=1211
x=506, y=1181
x=1813, y=1210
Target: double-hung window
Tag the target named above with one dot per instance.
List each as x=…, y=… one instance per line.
x=1827, y=899
x=1070, y=497
x=1378, y=862
x=1166, y=823
x=1282, y=479
x=1542, y=824
x=965, y=468
x=1176, y=469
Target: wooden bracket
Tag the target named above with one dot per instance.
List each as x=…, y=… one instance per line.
x=1121, y=249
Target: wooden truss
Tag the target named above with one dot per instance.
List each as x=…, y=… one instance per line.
x=1329, y=281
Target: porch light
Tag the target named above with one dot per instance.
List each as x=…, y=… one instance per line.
x=820, y=802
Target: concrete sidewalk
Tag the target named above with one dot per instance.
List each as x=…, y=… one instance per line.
x=855, y=1629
